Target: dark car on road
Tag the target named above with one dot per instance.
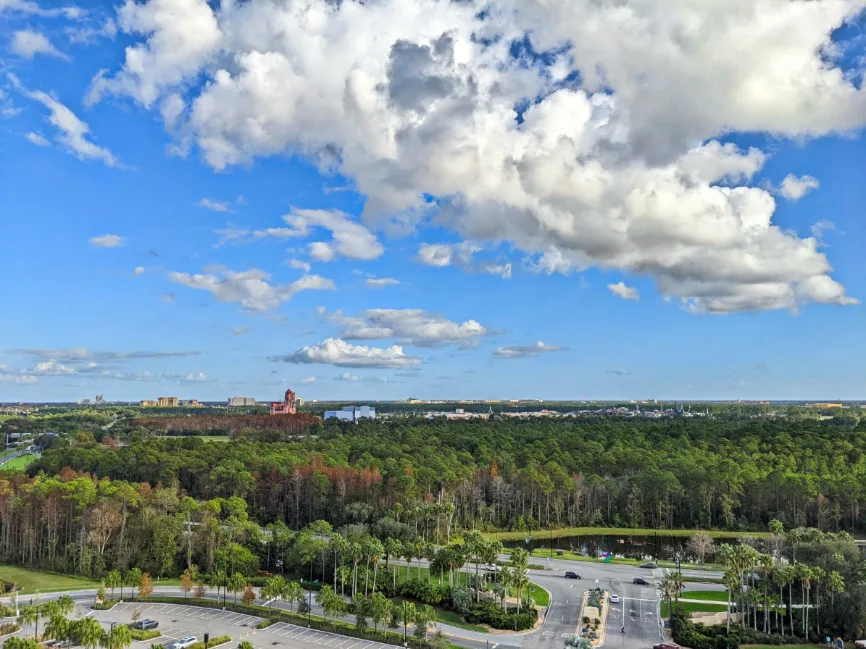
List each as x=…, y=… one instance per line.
x=640, y=581
x=649, y=564
x=572, y=575
x=665, y=645
x=144, y=625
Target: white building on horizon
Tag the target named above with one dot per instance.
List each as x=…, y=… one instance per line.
x=351, y=413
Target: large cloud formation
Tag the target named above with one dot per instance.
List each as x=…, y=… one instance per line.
x=580, y=132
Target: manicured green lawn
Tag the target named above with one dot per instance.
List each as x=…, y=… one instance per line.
x=693, y=607
x=452, y=618
x=19, y=463
x=546, y=553
x=711, y=595
x=615, y=531
x=205, y=438
x=32, y=580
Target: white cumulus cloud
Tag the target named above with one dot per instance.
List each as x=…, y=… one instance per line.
x=600, y=166
x=794, y=188
x=107, y=241
x=410, y=326
x=249, y=288
x=620, y=289
x=340, y=353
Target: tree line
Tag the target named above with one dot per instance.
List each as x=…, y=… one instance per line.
x=442, y=476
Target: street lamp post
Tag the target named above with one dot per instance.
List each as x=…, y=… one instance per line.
x=310, y=609
x=405, y=642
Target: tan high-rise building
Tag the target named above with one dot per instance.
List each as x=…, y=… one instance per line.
x=147, y=403
x=167, y=402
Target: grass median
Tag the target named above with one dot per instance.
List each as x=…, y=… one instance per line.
x=32, y=580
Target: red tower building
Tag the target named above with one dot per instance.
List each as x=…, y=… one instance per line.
x=286, y=406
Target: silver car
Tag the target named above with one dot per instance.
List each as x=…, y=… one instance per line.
x=185, y=642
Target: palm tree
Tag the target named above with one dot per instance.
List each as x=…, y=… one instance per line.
x=236, y=584
x=765, y=561
x=473, y=542
x=506, y=578
x=782, y=576
x=835, y=584
x=667, y=591
x=357, y=553
x=292, y=592
x=393, y=548
x=119, y=637
x=819, y=575
x=65, y=604
x=732, y=581
x=418, y=552
x=377, y=551
x=804, y=573
x=338, y=547
x=57, y=628
x=87, y=632
x=113, y=580
x=27, y=615
x=330, y=602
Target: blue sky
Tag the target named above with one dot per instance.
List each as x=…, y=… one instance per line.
x=363, y=218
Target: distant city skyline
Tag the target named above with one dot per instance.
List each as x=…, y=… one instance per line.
x=469, y=200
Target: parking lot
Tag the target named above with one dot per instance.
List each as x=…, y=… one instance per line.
x=177, y=621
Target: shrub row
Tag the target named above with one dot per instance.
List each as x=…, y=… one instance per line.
x=490, y=613
x=9, y=627
x=144, y=634
x=427, y=592
x=104, y=605
x=212, y=642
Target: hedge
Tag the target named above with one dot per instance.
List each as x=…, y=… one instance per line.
x=104, y=605
x=279, y=615
x=144, y=634
x=490, y=613
x=212, y=642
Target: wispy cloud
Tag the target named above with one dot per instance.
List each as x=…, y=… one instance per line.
x=524, y=351
x=107, y=241
x=621, y=290
x=71, y=132
x=28, y=44
x=214, y=206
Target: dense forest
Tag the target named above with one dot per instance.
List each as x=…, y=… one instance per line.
x=440, y=476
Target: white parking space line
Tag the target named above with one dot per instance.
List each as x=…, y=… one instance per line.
x=276, y=627
x=333, y=639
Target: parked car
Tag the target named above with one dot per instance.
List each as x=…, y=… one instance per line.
x=144, y=625
x=186, y=641
x=614, y=599
x=665, y=645
x=572, y=575
x=649, y=564
x=640, y=581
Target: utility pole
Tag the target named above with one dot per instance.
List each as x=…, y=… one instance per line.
x=405, y=642
x=310, y=610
